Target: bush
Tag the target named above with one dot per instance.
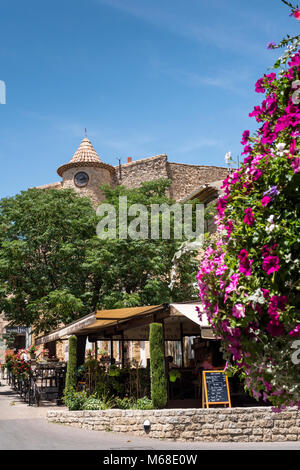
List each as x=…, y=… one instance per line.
x=93, y=403
x=144, y=404
x=159, y=391
x=71, y=376
x=74, y=400
x=125, y=403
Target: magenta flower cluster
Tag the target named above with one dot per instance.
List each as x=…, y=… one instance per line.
x=247, y=276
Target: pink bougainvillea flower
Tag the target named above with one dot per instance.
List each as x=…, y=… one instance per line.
x=266, y=293
x=277, y=303
x=271, y=264
x=245, y=137
x=247, y=149
x=238, y=311
x=229, y=228
x=248, y=219
x=260, y=86
x=265, y=201
x=222, y=203
x=265, y=396
x=245, y=263
x=257, y=111
x=257, y=302
x=221, y=270
x=297, y=14
x=256, y=174
x=233, y=284
x=296, y=164
x=275, y=328
x=295, y=332
x=268, y=250
x=295, y=60
x=293, y=146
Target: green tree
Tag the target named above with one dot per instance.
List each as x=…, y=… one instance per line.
x=139, y=271
x=159, y=390
x=55, y=269
x=43, y=239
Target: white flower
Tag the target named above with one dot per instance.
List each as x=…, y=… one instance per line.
x=280, y=149
x=228, y=157
x=270, y=228
x=257, y=297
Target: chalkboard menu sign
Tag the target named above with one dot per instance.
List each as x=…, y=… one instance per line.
x=215, y=389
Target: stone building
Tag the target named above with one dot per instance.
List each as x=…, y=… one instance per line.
x=85, y=172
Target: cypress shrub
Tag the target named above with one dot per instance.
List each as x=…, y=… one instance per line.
x=159, y=391
x=71, y=376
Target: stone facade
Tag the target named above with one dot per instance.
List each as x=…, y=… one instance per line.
x=186, y=178
x=259, y=424
x=92, y=189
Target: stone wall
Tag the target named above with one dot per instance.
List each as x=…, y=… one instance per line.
x=257, y=424
x=185, y=178
x=134, y=173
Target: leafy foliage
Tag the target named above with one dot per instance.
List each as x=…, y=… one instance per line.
x=74, y=400
x=54, y=269
x=43, y=242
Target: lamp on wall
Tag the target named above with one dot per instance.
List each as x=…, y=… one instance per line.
x=147, y=426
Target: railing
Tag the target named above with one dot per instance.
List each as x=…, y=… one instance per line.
x=45, y=381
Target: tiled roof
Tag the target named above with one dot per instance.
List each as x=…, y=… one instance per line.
x=85, y=153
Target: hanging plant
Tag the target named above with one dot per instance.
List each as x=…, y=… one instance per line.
x=249, y=277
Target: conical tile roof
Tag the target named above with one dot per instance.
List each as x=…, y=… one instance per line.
x=85, y=155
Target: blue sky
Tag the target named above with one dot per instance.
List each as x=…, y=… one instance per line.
x=143, y=76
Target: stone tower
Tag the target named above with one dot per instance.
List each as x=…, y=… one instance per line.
x=85, y=172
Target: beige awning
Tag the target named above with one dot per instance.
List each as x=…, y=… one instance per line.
x=134, y=323
x=189, y=311
x=97, y=321
x=67, y=330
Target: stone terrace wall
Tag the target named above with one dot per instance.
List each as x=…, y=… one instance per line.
x=258, y=424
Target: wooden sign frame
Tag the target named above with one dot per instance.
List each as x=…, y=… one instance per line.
x=205, y=402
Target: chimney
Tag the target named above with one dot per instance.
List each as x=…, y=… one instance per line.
x=129, y=159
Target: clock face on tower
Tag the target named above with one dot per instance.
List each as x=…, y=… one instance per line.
x=81, y=179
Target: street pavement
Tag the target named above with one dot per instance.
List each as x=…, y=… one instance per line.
x=26, y=428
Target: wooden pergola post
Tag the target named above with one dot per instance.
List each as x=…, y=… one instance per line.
x=111, y=351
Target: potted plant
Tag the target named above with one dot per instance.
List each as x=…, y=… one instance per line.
x=32, y=351
x=174, y=374
x=45, y=354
